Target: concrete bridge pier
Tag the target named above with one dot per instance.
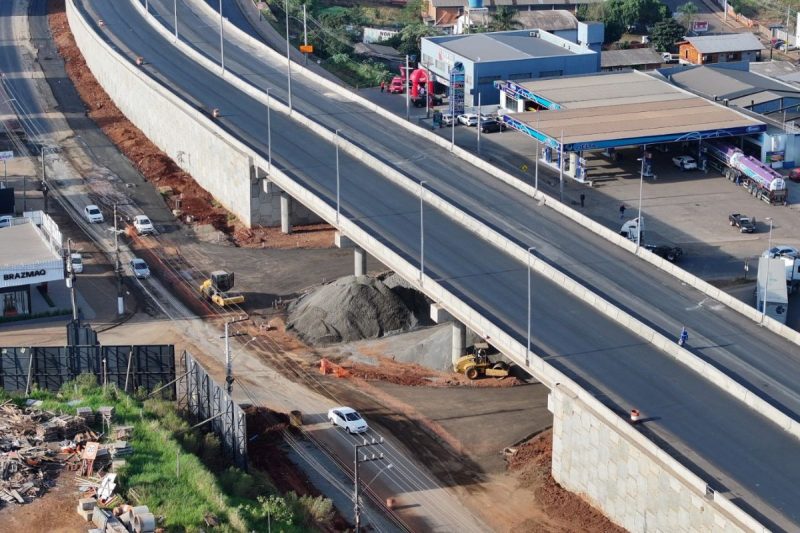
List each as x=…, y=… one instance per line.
x=286, y=226
x=459, y=330
x=360, y=260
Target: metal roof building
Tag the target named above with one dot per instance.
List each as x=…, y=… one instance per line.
x=617, y=109
x=640, y=58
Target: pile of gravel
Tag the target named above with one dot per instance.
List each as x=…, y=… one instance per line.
x=350, y=309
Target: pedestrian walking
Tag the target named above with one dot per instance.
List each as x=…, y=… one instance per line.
x=622, y=211
x=383, y=85
x=583, y=199
x=683, y=337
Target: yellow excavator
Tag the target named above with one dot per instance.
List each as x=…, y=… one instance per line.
x=218, y=287
x=478, y=364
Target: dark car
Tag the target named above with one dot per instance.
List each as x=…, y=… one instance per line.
x=794, y=175
x=491, y=125
x=744, y=223
x=670, y=253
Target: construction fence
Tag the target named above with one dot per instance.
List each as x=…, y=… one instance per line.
x=130, y=368
x=208, y=401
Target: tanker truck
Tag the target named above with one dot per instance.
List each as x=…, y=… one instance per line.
x=756, y=177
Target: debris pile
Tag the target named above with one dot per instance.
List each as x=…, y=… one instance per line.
x=30, y=454
x=349, y=309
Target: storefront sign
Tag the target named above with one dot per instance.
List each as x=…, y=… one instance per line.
x=24, y=275
x=5, y=156
x=457, y=90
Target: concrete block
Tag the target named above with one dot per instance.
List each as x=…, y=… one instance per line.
x=439, y=314
x=87, y=504
x=86, y=514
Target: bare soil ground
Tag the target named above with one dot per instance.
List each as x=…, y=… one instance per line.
x=157, y=167
x=54, y=512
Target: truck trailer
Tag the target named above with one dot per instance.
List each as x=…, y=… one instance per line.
x=758, y=178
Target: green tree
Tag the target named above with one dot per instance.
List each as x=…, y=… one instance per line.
x=665, y=34
x=409, y=39
x=687, y=13
x=503, y=19
x=412, y=11
x=640, y=14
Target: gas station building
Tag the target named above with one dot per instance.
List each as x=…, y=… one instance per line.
x=573, y=114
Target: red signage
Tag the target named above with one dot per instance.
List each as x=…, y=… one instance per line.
x=700, y=26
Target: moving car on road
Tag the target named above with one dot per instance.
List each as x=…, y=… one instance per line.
x=684, y=162
x=347, y=418
x=140, y=268
x=491, y=125
x=780, y=251
x=93, y=214
x=6, y=221
x=143, y=225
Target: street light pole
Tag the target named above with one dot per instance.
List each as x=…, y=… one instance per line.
x=641, y=188
x=44, y=179
x=561, y=167
x=118, y=267
x=221, y=43
x=421, y=231
x=305, y=32
x=71, y=282
x=528, y=346
x=337, y=178
x=175, y=11
x=406, y=79
x=288, y=57
x=536, y=169
x=479, y=123
x=766, y=277
x=356, y=461
x=269, y=134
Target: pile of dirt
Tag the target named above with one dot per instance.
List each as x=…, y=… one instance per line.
x=156, y=166
x=532, y=463
x=349, y=309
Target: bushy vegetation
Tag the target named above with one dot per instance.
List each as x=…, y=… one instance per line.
x=620, y=16
x=180, y=472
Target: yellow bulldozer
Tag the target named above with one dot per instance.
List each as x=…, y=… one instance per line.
x=478, y=364
x=218, y=287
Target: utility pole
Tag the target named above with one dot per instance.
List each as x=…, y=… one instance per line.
x=356, y=461
x=44, y=179
x=71, y=282
x=118, y=267
x=479, y=123
x=269, y=134
x=228, y=359
x=288, y=57
x=338, y=208
x=221, y=43
x=175, y=10
x=561, y=168
x=305, y=32
x=421, y=231
x=406, y=79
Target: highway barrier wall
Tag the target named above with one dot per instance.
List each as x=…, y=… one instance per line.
x=518, y=250
x=553, y=203
x=618, y=470
x=459, y=309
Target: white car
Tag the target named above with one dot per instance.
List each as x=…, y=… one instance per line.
x=140, y=268
x=780, y=251
x=447, y=119
x=6, y=221
x=685, y=162
x=347, y=418
x=93, y=214
x=468, y=119
x=143, y=225
x=76, y=263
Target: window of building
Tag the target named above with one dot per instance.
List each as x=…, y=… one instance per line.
x=550, y=73
x=521, y=76
x=15, y=302
x=483, y=80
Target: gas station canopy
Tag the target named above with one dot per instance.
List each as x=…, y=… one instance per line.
x=619, y=109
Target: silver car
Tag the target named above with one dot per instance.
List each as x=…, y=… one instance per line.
x=140, y=268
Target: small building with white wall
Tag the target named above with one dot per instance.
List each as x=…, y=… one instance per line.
x=510, y=55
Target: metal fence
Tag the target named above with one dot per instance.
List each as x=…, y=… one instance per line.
x=49, y=367
x=207, y=400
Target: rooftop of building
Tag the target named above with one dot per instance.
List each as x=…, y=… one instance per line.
x=727, y=42
x=507, y=45
x=511, y=3
x=28, y=245
x=629, y=58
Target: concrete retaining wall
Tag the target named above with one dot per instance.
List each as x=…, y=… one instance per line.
x=690, y=279
x=460, y=310
x=618, y=470
x=221, y=170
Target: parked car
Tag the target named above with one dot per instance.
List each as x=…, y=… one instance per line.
x=468, y=119
x=6, y=221
x=794, y=175
x=140, y=268
x=684, y=162
x=347, y=418
x=777, y=43
x=786, y=47
x=93, y=214
x=670, y=253
x=745, y=223
x=447, y=119
x=670, y=58
x=76, y=263
x=781, y=250
x=491, y=125
x=143, y=225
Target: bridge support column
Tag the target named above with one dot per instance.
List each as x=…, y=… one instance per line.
x=459, y=340
x=286, y=226
x=360, y=260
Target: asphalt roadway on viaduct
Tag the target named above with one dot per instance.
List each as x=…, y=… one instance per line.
x=715, y=435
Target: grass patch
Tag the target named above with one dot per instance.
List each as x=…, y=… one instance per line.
x=179, y=472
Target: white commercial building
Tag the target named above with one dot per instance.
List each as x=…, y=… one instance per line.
x=30, y=256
